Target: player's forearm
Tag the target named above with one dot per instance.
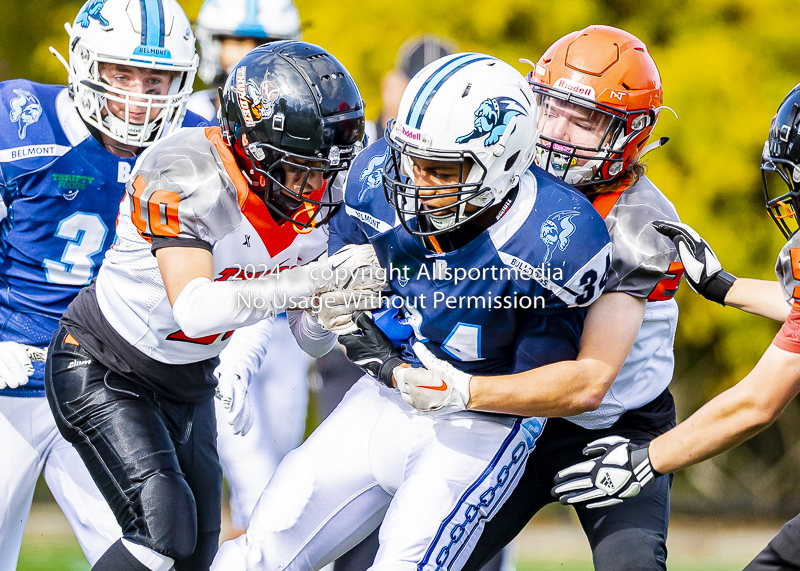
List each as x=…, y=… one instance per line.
x=205, y=307
x=759, y=297
x=733, y=416
x=309, y=334
x=727, y=420
x=560, y=389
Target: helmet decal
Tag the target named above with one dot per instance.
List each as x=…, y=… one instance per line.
x=241, y=91
x=92, y=10
x=491, y=118
x=26, y=109
x=262, y=98
x=556, y=230
x=435, y=81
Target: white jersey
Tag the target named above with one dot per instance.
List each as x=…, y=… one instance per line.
x=189, y=187
x=644, y=264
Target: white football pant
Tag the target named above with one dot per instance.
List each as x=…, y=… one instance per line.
x=433, y=479
x=32, y=443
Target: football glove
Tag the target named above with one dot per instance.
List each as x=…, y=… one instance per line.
x=15, y=365
x=335, y=309
x=371, y=349
x=703, y=270
x=234, y=396
x=618, y=470
x=354, y=267
x=439, y=386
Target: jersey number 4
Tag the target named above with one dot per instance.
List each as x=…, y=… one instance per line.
x=85, y=234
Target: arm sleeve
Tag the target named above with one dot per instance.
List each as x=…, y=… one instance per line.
x=247, y=349
x=205, y=307
x=788, y=338
x=310, y=335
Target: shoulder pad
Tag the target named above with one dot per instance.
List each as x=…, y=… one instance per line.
x=191, y=119
x=642, y=256
x=180, y=187
x=42, y=125
x=365, y=177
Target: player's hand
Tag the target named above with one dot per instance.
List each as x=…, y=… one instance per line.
x=703, y=270
x=232, y=392
x=438, y=386
x=335, y=309
x=618, y=470
x=356, y=267
x=371, y=349
x=15, y=365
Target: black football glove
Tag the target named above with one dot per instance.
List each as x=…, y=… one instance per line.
x=618, y=470
x=371, y=349
x=703, y=270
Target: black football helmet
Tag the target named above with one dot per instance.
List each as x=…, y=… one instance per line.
x=292, y=104
x=780, y=165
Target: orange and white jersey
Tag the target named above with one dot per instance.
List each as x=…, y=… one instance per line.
x=188, y=186
x=645, y=264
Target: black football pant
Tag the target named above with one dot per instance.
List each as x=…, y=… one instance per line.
x=783, y=552
x=154, y=459
x=630, y=536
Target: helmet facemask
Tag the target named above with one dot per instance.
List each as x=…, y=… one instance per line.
x=93, y=95
x=606, y=132
x=779, y=175
x=304, y=208
x=408, y=198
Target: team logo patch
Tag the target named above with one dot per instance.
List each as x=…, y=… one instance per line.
x=372, y=176
x=25, y=109
x=92, y=10
x=71, y=184
x=556, y=230
x=492, y=118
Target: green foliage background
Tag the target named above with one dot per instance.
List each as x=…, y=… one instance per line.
x=725, y=65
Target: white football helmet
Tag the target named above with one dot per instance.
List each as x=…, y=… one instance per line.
x=460, y=107
x=153, y=34
x=262, y=20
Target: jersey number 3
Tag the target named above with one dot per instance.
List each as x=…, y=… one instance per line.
x=85, y=234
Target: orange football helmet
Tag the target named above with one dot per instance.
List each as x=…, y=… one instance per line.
x=600, y=94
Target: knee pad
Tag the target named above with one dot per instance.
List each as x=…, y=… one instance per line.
x=170, y=514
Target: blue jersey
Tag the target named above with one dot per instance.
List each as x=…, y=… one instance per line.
x=60, y=191
x=508, y=300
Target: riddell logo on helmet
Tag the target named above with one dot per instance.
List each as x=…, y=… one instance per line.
x=575, y=87
x=412, y=134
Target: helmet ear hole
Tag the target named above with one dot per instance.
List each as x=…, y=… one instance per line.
x=511, y=160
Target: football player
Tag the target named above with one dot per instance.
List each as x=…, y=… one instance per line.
x=65, y=154
x=621, y=471
x=460, y=201
x=227, y=31
x=129, y=372
x=262, y=372
x=601, y=96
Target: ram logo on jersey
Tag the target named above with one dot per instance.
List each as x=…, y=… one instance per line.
x=26, y=109
x=372, y=176
x=491, y=118
x=92, y=10
x=556, y=231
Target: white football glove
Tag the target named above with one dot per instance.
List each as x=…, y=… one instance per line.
x=354, y=267
x=234, y=396
x=15, y=364
x=335, y=308
x=438, y=386
x=619, y=470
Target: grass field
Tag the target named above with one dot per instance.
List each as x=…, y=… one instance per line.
x=549, y=543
